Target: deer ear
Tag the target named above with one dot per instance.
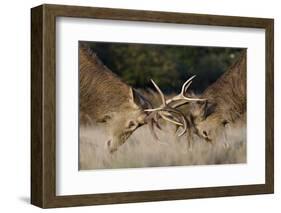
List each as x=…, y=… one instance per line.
x=139, y=99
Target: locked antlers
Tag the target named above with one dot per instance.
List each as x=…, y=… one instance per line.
x=168, y=109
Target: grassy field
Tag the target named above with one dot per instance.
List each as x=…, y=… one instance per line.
x=141, y=150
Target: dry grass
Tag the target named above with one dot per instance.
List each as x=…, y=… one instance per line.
x=141, y=150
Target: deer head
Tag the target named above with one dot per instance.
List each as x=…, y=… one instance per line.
x=208, y=119
x=122, y=123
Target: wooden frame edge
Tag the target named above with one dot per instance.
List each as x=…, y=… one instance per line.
x=43, y=190
x=269, y=119
x=37, y=197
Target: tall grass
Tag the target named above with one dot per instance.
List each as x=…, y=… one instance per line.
x=142, y=150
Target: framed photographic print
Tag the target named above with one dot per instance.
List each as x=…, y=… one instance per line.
x=135, y=106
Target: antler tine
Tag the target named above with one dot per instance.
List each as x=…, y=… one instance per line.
x=170, y=119
x=163, y=99
x=184, y=127
x=166, y=112
x=160, y=92
x=154, y=110
x=181, y=96
x=185, y=89
x=181, y=116
x=186, y=85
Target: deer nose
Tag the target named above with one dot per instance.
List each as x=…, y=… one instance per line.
x=205, y=133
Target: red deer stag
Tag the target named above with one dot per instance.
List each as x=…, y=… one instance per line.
x=221, y=104
x=225, y=103
x=106, y=99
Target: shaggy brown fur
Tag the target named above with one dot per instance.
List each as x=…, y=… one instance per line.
x=228, y=93
x=107, y=100
x=226, y=102
x=101, y=91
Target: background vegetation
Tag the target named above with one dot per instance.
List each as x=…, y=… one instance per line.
x=168, y=65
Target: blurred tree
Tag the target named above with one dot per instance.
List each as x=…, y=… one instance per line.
x=168, y=65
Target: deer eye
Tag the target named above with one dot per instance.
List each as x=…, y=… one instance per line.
x=224, y=123
x=105, y=119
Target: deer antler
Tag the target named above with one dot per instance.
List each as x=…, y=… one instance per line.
x=168, y=109
x=181, y=99
x=165, y=112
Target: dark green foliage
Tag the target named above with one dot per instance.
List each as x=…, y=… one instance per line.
x=169, y=66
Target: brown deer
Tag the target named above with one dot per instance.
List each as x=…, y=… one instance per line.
x=106, y=100
x=221, y=105
x=225, y=103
